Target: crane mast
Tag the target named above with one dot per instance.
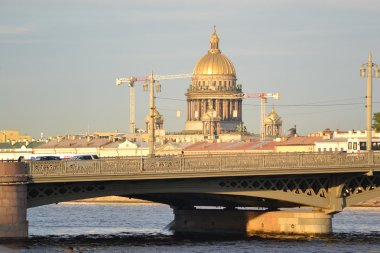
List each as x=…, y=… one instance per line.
x=132, y=122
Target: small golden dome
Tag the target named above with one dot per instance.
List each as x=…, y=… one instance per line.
x=214, y=62
x=273, y=118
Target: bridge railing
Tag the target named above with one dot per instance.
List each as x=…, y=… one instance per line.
x=191, y=164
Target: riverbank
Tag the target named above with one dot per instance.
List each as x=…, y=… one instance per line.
x=112, y=199
x=116, y=199
x=370, y=203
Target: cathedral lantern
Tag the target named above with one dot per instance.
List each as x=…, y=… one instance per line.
x=273, y=124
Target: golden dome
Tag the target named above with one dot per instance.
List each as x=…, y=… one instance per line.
x=214, y=62
x=273, y=117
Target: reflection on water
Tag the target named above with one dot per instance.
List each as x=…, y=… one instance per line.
x=141, y=228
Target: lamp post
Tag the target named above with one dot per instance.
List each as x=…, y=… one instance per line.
x=367, y=70
x=211, y=126
x=151, y=138
x=140, y=132
x=211, y=113
x=152, y=109
x=148, y=87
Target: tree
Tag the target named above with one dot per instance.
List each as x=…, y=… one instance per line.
x=376, y=121
x=292, y=131
x=241, y=128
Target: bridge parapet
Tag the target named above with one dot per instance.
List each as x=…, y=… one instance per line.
x=197, y=166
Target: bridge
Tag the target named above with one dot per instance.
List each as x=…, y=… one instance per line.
x=248, y=189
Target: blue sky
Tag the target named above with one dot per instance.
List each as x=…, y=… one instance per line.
x=59, y=59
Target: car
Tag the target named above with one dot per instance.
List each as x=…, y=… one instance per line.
x=85, y=157
x=46, y=158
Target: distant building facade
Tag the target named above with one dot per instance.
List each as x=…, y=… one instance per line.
x=331, y=145
x=13, y=136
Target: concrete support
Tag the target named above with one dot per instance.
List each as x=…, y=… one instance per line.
x=13, y=200
x=252, y=222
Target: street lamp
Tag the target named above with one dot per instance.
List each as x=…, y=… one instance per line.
x=151, y=138
x=140, y=132
x=148, y=86
x=367, y=70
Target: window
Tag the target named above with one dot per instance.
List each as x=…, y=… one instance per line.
x=363, y=145
x=355, y=147
x=349, y=145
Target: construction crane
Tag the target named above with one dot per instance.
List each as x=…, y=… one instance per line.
x=263, y=98
x=131, y=84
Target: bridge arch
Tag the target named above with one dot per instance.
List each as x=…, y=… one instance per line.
x=328, y=192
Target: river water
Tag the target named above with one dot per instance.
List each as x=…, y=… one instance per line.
x=142, y=228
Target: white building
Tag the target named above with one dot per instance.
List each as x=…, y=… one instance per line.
x=331, y=145
x=353, y=134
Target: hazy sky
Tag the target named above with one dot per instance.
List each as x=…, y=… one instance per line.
x=59, y=59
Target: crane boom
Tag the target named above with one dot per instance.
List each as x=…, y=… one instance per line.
x=132, y=79
x=169, y=77
x=274, y=95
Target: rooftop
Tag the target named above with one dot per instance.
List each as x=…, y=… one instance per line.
x=300, y=140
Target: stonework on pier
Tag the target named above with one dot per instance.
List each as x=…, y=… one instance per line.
x=252, y=222
x=13, y=200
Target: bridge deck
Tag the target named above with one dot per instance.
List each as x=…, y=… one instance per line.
x=138, y=168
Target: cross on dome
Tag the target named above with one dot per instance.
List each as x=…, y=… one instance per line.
x=214, y=42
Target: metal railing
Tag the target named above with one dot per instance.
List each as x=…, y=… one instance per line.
x=200, y=164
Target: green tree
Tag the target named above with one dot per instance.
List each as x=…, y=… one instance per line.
x=241, y=128
x=376, y=121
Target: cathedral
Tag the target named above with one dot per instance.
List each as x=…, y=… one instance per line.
x=214, y=99
x=214, y=103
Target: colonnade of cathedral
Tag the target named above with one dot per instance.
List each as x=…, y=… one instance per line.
x=226, y=109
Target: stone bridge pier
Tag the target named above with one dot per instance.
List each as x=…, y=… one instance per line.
x=250, y=222
x=13, y=200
